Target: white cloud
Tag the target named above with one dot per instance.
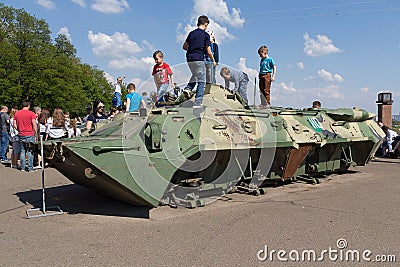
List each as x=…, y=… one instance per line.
x=287, y=95
x=115, y=46
x=109, y=77
x=329, y=77
x=137, y=81
x=364, y=90
x=148, y=45
x=300, y=65
x=182, y=32
x=148, y=60
x=337, y=77
x=218, y=10
x=325, y=75
x=329, y=92
x=82, y=3
x=121, y=53
x=110, y=6
x=319, y=46
x=48, y=4
x=221, y=33
x=131, y=63
x=65, y=31
x=219, y=17
x=252, y=73
x=285, y=87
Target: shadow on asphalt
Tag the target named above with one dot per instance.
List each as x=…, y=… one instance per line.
x=75, y=199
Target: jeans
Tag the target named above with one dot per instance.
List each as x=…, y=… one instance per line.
x=210, y=73
x=26, y=148
x=198, y=70
x=243, y=87
x=390, y=145
x=5, y=140
x=118, y=101
x=162, y=90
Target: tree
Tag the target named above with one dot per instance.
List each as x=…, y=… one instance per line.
x=64, y=46
x=48, y=74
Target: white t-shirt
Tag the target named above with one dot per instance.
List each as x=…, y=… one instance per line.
x=13, y=132
x=54, y=132
x=71, y=132
x=117, y=88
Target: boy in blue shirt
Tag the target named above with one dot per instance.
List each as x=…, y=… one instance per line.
x=133, y=99
x=266, y=75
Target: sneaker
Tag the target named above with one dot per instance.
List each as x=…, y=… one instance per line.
x=199, y=108
x=15, y=166
x=187, y=94
x=5, y=161
x=38, y=167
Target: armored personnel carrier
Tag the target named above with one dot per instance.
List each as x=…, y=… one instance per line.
x=184, y=156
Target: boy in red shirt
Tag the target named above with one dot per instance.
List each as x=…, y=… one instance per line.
x=161, y=71
x=25, y=123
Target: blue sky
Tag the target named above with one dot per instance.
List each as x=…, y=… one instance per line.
x=340, y=52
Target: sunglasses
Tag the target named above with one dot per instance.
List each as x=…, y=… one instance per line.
x=99, y=107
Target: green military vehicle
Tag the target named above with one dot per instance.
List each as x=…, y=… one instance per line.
x=181, y=155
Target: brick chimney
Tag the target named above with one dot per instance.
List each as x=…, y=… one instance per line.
x=385, y=108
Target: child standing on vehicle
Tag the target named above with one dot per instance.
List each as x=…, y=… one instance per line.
x=266, y=75
x=161, y=71
x=210, y=67
x=116, y=101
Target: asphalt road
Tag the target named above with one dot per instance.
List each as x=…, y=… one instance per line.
x=360, y=210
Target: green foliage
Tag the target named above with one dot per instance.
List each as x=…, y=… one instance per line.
x=48, y=74
x=396, y=126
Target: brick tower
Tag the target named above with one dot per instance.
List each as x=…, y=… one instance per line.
x=385, y=108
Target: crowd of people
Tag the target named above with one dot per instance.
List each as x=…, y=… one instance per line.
x=22, y=129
